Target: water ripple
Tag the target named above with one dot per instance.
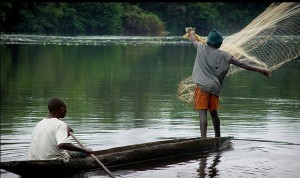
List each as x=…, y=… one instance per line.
x=92, y=40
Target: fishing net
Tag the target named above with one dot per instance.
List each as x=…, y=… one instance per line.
x=269, y=41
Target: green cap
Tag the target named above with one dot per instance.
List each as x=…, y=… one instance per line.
x=215, y=38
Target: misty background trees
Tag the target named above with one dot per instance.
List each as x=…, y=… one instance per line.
x=116, y=18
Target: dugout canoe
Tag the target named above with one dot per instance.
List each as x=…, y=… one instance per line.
x=118, y=156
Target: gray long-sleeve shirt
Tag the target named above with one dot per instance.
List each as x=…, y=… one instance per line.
x=210, y=68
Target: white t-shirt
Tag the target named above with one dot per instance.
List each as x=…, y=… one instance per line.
x=46, y=137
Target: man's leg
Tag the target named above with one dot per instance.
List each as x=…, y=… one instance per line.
x=203, y=122
x=77, y=154
x=216, y=122
x=201, y=101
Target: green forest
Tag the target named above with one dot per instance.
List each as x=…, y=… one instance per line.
x=124, y=18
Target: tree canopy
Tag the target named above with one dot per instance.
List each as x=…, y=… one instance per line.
x=118, y=18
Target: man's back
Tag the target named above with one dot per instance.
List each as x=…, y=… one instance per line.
x=210, y=68
x=46, y=136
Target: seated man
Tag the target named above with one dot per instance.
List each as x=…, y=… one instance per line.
x=49, y=138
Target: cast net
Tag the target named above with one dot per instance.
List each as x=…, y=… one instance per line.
x=269, y=41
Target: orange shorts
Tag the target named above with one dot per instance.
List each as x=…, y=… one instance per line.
x=205, y=100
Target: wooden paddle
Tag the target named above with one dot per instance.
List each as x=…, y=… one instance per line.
x=93, y=156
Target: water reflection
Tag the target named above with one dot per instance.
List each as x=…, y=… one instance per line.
x=206, y=170
x=209, y=163
x=207, y=167
x=126, y=94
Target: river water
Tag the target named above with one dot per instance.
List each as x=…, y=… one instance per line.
x=124, y=92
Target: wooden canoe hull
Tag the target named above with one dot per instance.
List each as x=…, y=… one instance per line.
x=119, y=156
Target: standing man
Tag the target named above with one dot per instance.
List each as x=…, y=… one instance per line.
x=49, y=138
x=210, y=68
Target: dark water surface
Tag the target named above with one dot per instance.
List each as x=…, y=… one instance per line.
x=120, y=94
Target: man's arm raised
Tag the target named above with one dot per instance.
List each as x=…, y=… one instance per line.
x=249, y=67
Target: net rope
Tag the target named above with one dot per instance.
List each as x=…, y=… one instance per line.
x=269, y=41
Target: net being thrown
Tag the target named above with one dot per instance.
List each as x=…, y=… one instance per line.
x=269, y=41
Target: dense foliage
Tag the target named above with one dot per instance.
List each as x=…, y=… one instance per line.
x=116, y=18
